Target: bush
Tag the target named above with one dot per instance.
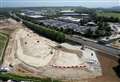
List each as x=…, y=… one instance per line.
x=7, y=76
x=17, y=19
x=117, y=70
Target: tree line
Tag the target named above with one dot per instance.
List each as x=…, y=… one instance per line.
x=42, y=30
x=15, y=18
x=49, y=33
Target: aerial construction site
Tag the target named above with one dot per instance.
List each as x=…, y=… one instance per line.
x=30, y=54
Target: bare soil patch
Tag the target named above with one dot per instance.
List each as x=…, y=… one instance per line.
x=108, y=73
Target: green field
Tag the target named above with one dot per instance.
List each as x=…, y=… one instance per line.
x=108, y=14
x=3, y=42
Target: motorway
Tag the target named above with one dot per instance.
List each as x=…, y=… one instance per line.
x=102, y=48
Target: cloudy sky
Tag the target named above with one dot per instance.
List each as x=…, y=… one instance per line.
x=39, y=3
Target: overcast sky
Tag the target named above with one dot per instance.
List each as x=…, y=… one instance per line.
x=39, y=3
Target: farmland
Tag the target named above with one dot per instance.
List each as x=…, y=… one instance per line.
x=108, y=14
